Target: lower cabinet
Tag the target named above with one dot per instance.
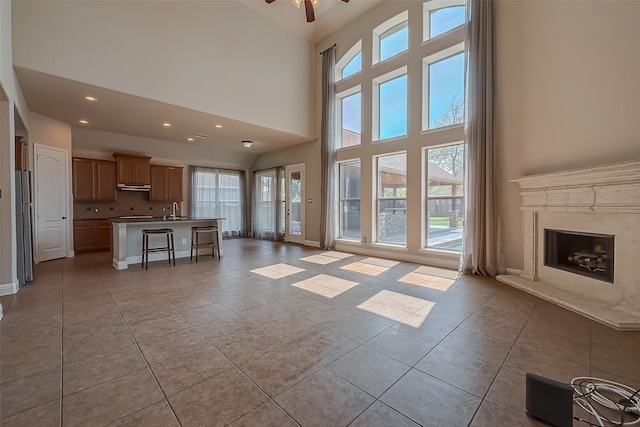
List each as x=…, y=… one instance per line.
x=91, y=235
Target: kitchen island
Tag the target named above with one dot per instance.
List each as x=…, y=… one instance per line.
x=127, y=238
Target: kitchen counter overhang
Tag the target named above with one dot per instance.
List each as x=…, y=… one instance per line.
x=127, y=237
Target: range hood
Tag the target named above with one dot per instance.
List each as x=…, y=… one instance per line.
x=132, y=187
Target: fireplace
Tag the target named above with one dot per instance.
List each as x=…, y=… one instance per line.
x=587, y=254
x=572, y=222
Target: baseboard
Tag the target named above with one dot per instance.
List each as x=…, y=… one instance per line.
x=514, y=271
x=312, y=243
x=1, y=312
x=9, y=288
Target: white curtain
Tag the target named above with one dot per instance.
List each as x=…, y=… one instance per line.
x=328, y=212
x=268, y=201
x=218, y=193
x=481, y=249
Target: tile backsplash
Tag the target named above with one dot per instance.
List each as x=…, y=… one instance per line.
x=127, y=203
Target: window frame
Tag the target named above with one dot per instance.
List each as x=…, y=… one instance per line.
x=342, y=199
x=378, y=198
x=346, y=60
x=375, y=119
x=339, y=129
x=395, y=22
x=433, y=5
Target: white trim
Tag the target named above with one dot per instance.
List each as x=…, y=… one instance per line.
x=346, y=59
x=514, y=271
x=0, y=311
x=312, y=243
x=381, y=30
x=9, y=288
x=431, y=6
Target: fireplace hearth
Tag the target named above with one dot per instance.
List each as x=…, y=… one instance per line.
x=587, y=254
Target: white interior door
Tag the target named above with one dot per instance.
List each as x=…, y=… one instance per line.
x=294, y=227
x=51, y=203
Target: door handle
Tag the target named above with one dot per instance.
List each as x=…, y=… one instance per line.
x=64, y=217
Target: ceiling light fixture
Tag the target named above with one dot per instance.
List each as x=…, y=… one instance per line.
x=166, y=124
x=84, y=122
x=91, y=98
x=247, y=144
x=190, y=139
x=309, y=5
x=219, y=126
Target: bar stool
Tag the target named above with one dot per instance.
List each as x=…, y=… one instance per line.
x=195, y=243
x=170, y=248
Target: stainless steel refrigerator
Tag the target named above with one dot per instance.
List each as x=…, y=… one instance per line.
x=24, y=230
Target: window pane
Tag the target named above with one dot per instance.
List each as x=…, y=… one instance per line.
x=445, y=204
x=393, y=108
x=392, y=222
x=351, y=120
x=218, y=194
x=446, y=92
x=392, y=176
x=443, y=20
x=350, y=180
x=354, y=66
x=394, y=41
x=350, y=219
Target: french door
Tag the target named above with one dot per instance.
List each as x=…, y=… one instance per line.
x=294, y=202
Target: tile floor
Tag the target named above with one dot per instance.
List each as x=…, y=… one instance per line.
x=282, y=335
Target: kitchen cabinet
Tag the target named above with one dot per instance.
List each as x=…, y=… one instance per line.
x=94, y=180
x=166, y=183
x=133, y=170
x=91, y=235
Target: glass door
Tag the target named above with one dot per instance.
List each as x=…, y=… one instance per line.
x=295, y=203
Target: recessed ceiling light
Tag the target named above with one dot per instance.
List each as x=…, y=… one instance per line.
x=166, y=124
x=91, y=98
x=84, y=122
x=219, y=126
x=190, y=139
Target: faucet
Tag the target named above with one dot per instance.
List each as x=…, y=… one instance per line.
x=174, y=208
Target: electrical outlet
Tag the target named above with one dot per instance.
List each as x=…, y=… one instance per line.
x=164, y=209
x=364, y=240
x=184, y=241
x=96, y=210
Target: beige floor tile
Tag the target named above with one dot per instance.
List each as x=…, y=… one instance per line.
x=323, y=399
x=144, y=313
x=101, y=368
x=205, y=313
x=157, y=327
x=288, y=327
x=423, y=327
x=277, y=370
x=381, y=415
x=320, y=312
x=575, y=329
x=400, y=345
x=217, y=401
x=112, y=400
x=167, y=346
x=10, y=329
x=478, y=345
x=486, y=326
x=47, y=415
x=245, y=344
x=28, y=392
x=265, y=314
x=268, y=414
x=356, y=327
x=323, y=345
x=185, y=370
x=468, y=373
x=92, y=345
x=157, y=415
x=29, y=342
x=508, y=391
x=555, y=345
x=460, y=301
x=525, y=360
x=430, y=401
x=490, y=415
x=244, y=302
x=31, y=362
x=369, y=370
x=443, y=314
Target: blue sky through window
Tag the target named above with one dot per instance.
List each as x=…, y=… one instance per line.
x=354, y=66
x=393, y=107
x=446, y=83
x=443, y=20
x=394, y=43
x=351, y=117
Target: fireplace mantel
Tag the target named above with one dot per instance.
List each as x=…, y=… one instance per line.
x=602, y=199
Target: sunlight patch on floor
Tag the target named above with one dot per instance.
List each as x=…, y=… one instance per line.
x=277, y=271
x=380, y=262
x=417, y=319
x=325, y=285
x=400, y=301
x=427, y=281
x=439, y=272
x=368, y=269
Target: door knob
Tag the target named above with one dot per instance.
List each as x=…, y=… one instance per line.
x=64, y=217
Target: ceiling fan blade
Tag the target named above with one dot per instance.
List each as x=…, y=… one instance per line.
x=308, y=7
x=269, y=1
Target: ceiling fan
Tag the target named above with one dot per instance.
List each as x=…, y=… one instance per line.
x=308, y=7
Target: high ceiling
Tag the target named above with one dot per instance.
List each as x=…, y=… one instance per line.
x=64, y=100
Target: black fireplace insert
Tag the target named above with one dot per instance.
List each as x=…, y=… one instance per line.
x=587, y=254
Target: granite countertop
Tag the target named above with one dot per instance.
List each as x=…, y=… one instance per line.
x=162, y=219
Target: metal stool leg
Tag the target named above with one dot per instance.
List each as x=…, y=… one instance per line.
x=197, y=244
x=173, y=250
x=191, y=258
x=147, y=252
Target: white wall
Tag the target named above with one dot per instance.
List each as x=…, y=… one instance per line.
x=568, y=93
x=236, y=64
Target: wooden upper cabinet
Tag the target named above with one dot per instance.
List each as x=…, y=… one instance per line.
x=133, y=170
x=105, y=185
x=94, y=180
x=166, y=183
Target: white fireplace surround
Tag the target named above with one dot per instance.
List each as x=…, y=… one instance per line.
x=604, y=200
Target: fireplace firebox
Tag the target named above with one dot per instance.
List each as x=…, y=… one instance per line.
x=587, y=254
